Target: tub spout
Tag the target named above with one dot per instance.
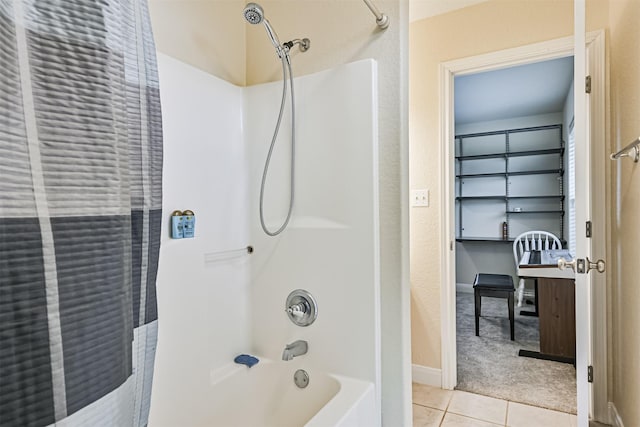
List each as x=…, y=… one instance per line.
x=295, y=349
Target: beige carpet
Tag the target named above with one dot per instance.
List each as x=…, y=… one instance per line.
x=490, y=365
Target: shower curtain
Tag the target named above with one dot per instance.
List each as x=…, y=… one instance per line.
x=80, y=212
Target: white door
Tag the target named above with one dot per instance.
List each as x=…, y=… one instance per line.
x=583, y=214
x=587, y=181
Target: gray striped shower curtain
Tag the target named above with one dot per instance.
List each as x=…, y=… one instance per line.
x=80, y=212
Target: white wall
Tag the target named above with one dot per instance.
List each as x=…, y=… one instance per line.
x=204, y=316
x=331, y=245
x=216, y=138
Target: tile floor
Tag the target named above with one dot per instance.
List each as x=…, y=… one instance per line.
x=445, y=408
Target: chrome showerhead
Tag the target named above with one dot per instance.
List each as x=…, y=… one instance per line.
x=253, y=13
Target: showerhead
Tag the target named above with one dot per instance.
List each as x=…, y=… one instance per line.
x=254, y=14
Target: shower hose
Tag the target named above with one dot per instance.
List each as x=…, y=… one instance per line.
x=286, y=66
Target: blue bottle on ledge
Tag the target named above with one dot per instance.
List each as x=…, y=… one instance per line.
x=188, y=224
x=177, y=225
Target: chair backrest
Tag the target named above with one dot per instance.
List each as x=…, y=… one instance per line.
x=534, y=241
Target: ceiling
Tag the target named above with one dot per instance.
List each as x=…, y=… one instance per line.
x=421, y=9
x=525, y=90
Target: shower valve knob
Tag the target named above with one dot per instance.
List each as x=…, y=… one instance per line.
x=297, y=310
x=301, y=307
x=296, y=313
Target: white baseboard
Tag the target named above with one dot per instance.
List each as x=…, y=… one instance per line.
x=614, y=417
x=426, y=375
x=465, y=288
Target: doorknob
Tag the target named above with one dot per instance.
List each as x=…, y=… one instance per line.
x=600, y=266
x=581, y=266
x=563, y=264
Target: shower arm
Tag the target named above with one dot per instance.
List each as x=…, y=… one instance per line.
x=381, y=19
x=304, y=44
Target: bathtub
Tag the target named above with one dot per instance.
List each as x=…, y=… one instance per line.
x=266, y=396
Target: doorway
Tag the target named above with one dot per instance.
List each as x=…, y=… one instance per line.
x=596, y=393
x=511, y=158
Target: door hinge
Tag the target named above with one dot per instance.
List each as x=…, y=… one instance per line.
x=587, y=84
x=590, y=373
x=588, y=229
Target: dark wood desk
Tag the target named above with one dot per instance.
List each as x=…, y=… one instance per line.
x=556, y=307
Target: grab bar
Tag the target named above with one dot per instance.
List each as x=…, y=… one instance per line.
x=381, y=19
x=626, y=151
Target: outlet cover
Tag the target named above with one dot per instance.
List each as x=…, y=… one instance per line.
x=420, y=198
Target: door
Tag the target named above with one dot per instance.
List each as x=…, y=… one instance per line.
x=590, y=204
x=583, y=214
x=589, y=185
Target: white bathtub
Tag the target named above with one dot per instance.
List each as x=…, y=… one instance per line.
x=266, y=396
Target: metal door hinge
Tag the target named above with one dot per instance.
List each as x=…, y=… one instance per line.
x=590, y=373
x=589, y=227
x=587, y=85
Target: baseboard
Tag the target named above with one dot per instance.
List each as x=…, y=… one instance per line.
x=614, y=416
x=426, y=375
x=465, y=288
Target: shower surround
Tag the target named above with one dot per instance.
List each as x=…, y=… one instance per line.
x=216, y=137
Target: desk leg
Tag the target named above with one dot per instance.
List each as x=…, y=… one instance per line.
x=542, y=356
x=536, y=312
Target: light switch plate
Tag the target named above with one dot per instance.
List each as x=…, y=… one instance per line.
x=420, y=198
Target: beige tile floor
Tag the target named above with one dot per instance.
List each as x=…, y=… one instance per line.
x=445, y=408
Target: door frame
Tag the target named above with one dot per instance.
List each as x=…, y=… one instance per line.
x=537, y=52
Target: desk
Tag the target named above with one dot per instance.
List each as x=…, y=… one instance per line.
x=556, y=305
x=546, y=265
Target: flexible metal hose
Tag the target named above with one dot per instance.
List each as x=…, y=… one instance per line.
x=286, y=64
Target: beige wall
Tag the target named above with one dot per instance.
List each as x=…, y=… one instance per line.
x=624, y=56
x=478, y=29
x=340, y=31
x=492, y=26
x=211, y=35
x=208, y=34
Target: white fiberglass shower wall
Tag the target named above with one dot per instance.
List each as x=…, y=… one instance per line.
x=203, y=307
x=216, y=139
x=330, y=247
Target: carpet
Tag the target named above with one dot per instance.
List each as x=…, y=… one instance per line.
x=489, y=364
